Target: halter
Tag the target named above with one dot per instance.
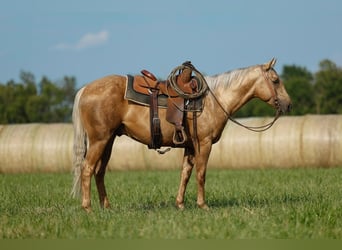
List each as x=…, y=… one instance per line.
x=256, y=128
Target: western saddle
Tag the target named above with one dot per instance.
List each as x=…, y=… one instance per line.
x=179, y=88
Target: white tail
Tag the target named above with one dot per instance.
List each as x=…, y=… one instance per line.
x=80, y=146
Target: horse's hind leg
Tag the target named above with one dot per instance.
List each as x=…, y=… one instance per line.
x=100, y=172
x=92, y=159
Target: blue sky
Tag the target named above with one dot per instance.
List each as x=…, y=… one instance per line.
x=91, y=39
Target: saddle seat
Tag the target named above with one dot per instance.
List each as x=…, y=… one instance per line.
x=148, y=84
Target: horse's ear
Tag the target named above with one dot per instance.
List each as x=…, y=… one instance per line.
x=270, y=64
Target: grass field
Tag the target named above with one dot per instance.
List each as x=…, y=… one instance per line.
x=290, y=204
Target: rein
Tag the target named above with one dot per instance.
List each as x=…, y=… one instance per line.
x=254, y=128
x=257, y=128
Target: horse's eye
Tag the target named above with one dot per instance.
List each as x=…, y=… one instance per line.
x=276, y=80
x=274, y=76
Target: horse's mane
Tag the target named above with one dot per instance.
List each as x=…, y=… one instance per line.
x=227, y=79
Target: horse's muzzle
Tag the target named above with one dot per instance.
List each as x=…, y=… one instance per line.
x=284, y=108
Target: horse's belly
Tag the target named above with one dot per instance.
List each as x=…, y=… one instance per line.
x=137, y=126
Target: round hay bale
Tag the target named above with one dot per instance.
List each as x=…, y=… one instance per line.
x=36, y=147
x=321, y=140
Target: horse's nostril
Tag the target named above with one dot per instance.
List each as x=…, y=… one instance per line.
x=289, y=107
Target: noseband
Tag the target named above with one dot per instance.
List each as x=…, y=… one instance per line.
x=276, y=102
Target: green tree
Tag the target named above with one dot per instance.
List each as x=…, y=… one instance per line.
x=298, y=82
x=14, y=102
x=58, y=101
x=29, y=83
x=37, y=107
x=68, y=88
x=328, y=88
x=3, y=116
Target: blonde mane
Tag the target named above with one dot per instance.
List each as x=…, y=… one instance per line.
x=227, y=79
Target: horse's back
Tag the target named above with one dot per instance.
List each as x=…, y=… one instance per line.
x=106, y=84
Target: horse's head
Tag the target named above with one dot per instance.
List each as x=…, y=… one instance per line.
x=270, y=88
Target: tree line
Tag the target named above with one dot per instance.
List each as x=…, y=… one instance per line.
x=49, y=101
x=29, y=101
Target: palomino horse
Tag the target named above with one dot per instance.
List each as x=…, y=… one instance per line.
x=101, y=113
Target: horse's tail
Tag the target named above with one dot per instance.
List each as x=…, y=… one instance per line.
x=80, y=145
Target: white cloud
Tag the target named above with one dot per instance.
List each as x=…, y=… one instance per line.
x=86, y=41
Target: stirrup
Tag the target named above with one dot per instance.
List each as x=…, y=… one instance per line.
x=179, y=136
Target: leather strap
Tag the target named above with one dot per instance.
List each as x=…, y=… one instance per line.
x=156, y=136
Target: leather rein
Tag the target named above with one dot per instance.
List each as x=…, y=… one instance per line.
x=256, y=128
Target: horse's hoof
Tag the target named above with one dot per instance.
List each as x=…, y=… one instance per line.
x=180, y=206
x=106, y=204
x=87, y=209
x=204, y=207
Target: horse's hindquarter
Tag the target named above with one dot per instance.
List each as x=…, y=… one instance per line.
x=102, y=104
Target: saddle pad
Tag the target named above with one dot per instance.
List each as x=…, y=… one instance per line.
x=134, y=96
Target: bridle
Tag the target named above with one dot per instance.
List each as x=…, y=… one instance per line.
x=256, y=128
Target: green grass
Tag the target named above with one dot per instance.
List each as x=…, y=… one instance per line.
x=295, y=204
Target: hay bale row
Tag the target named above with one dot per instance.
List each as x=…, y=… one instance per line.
x=303, y=141
x=306, y=141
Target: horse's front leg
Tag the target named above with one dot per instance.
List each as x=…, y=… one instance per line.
x=202, y=157
x=188, y=164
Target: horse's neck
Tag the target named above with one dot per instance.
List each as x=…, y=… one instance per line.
x=231, y=93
